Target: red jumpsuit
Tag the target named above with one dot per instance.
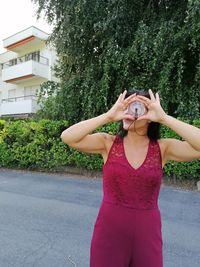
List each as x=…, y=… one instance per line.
x=127, y=231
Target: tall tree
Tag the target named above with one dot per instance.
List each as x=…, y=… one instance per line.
x=106, y=46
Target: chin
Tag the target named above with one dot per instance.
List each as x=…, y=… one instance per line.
x=127, y=123
x=125, y=128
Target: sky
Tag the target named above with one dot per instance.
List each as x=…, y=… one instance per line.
x=17, y=15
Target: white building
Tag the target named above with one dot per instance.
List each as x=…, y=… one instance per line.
x=26, y=64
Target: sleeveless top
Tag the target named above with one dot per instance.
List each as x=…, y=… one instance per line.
x=135, y=188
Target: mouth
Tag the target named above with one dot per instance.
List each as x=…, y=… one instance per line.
x=127, y=120
x=127, y=123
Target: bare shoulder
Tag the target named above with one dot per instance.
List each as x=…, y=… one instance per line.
x=107, y=136
x=179, y=150
x=163, y=143
x=108, y=139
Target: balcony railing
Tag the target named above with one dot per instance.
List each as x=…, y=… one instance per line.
x=19, y=60
x=20, y=98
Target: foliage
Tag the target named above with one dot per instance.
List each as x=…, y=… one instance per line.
x=37, y=145
x=181, y=170
x=32, y=145
x=47, y=101
x=106, y=46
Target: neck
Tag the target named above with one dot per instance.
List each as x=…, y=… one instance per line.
x=134, y=138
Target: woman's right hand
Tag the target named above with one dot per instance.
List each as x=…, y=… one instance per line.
x=120, y=108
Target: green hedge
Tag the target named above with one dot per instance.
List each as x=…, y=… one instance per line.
x=33, y=145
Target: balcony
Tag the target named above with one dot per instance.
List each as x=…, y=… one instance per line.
x=31, y=66
x=19, y=106
x=27, y=38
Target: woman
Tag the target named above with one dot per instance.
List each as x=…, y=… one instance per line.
x=127, y=231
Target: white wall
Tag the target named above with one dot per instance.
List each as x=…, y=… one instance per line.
x=6, y=56
x=26, y=68
x=18, y=107
x=37, y=68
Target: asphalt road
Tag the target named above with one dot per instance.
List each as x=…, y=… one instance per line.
x=46, y=220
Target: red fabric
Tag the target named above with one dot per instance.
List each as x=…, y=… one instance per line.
x=125, y=185
x=127, y=231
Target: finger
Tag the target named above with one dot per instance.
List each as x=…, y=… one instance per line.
x=123, y=95
x=157, y=97
x=129, y=117
x=147, y=100
x=130, y=99
x=151, y=95
x=119, y=98
x=144, y=117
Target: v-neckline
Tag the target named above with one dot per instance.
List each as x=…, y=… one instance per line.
x=135, y=169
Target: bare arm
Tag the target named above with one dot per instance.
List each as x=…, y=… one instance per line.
x=79, y=135
x=188, y=132
x=77, y=131
x=177, y=150
x=180, y=150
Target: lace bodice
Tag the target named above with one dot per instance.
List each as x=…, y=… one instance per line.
x=124, y=185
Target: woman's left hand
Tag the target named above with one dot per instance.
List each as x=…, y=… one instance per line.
x=155, y=111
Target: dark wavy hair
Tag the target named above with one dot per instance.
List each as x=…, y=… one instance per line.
x=153, y=131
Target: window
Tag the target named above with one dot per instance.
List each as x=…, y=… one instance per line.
x=36, y=56
x=30, y=92
x=33, y=56
x=11, y=94
x=13, y=62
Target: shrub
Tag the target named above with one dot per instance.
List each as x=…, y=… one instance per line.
x=32, y=145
